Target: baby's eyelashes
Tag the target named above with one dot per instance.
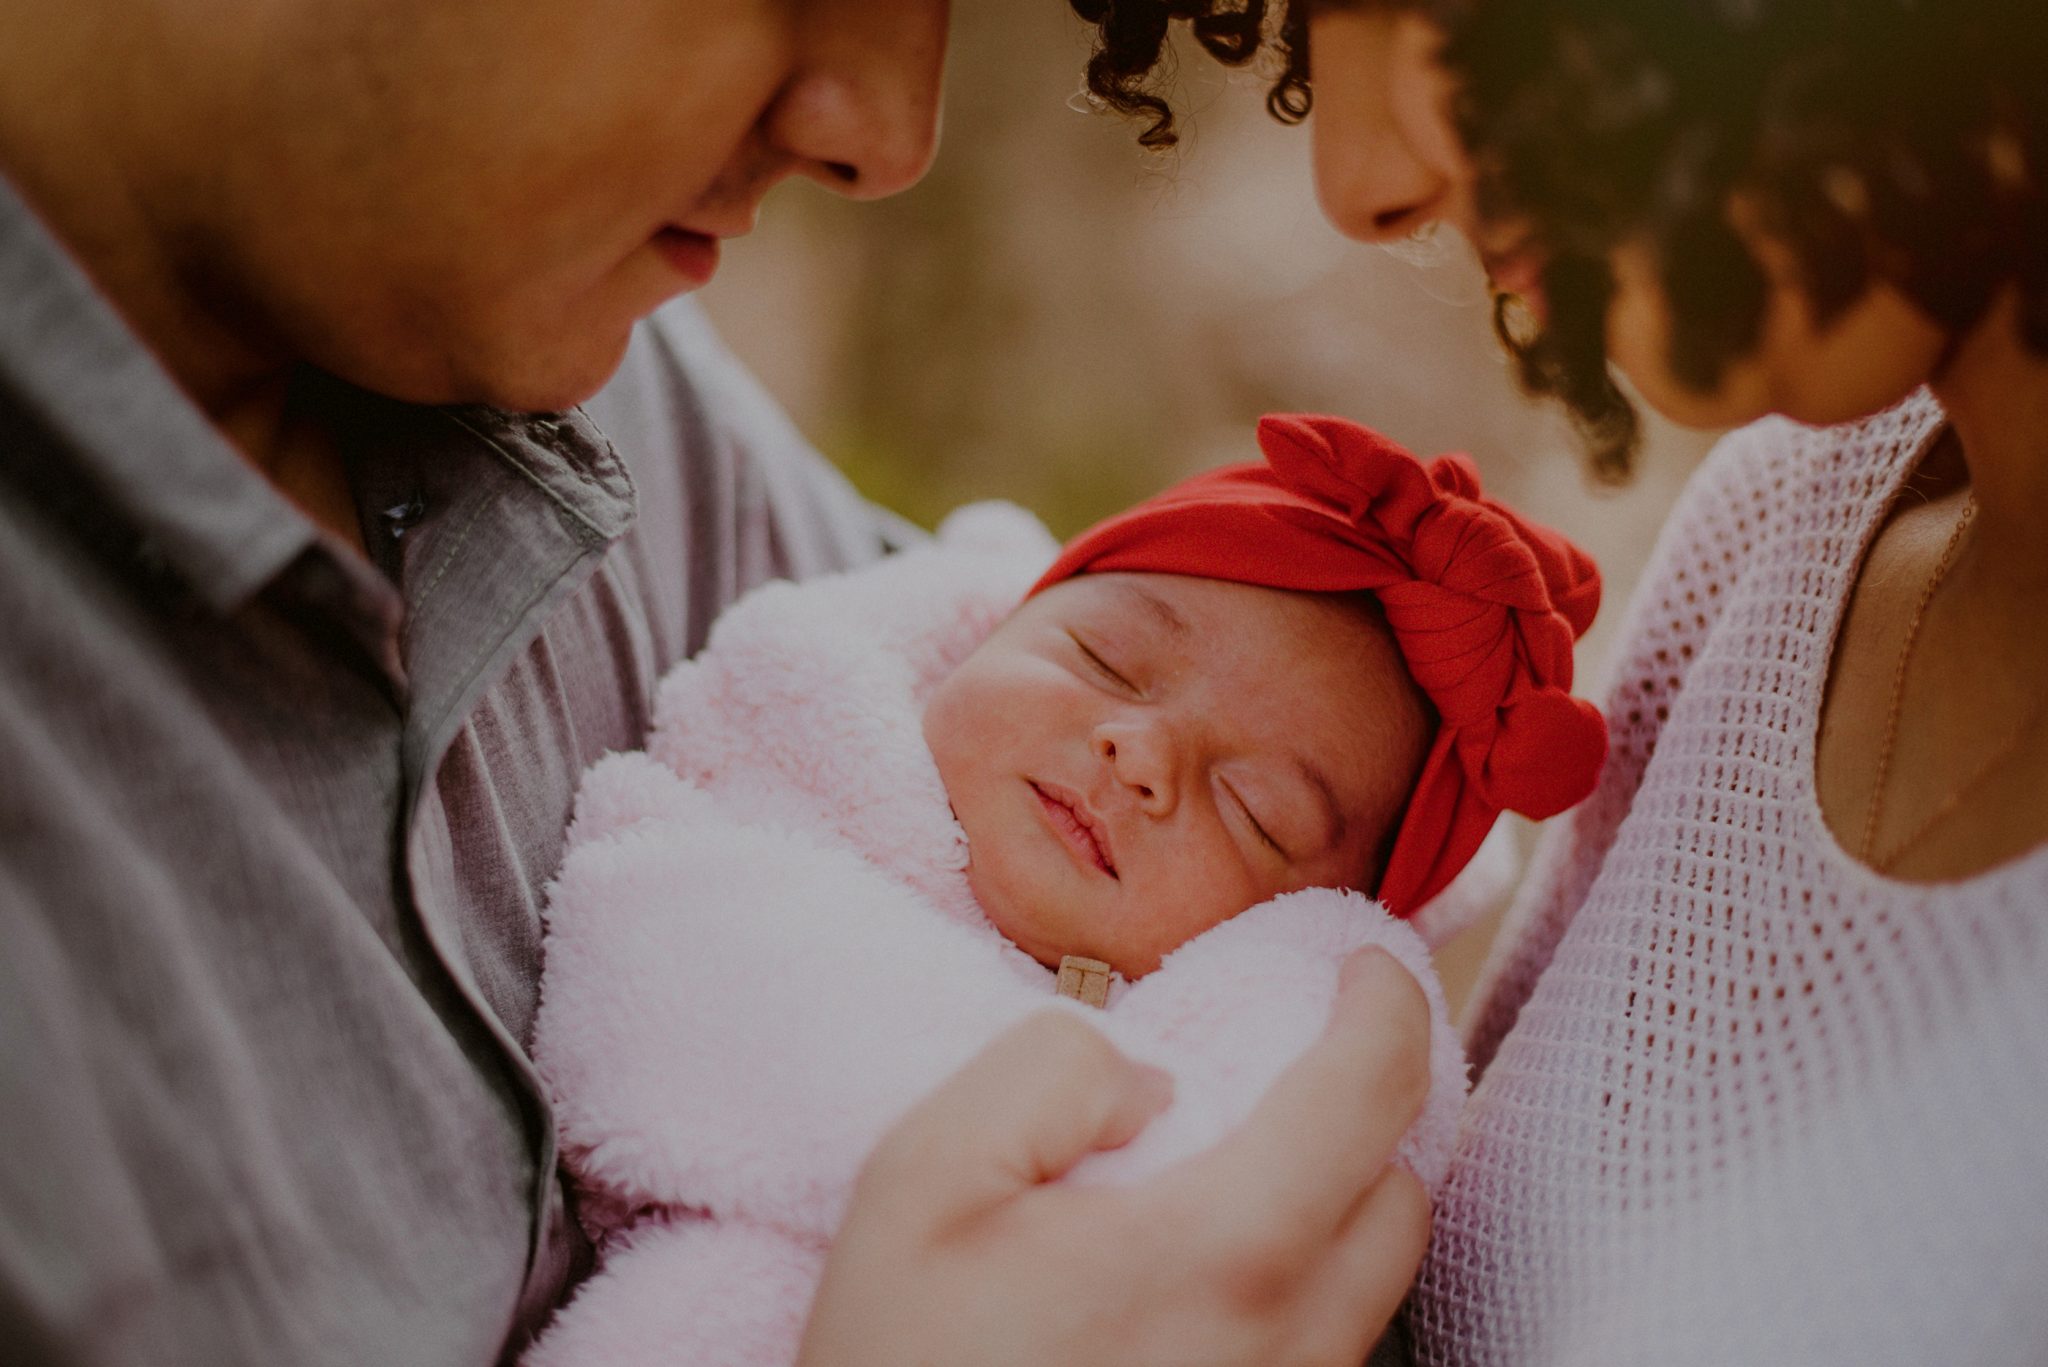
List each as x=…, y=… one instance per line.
x=1100, y=666
x=1249, y=819
x=1260, y=829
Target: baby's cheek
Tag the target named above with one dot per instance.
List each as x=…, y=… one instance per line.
x=1208, y=890
x=985, y=872
x=1008, y=896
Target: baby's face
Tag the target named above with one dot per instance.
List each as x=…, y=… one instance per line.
x=1137, y=757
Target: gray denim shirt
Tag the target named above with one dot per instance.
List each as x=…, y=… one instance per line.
x=275, y=825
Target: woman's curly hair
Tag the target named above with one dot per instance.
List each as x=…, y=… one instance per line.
x=1894, y=142
x=1883, y=141
x=1127, y=71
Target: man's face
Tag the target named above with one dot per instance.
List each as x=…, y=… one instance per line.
x=1137, y=757
x=476, y=199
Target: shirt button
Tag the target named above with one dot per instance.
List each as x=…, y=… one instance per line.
x=401, y=518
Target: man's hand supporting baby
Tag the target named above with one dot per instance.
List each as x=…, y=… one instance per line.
x=1291, y=1242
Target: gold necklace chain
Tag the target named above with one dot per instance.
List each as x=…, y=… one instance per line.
x=1947, y=806
x=1874, y=812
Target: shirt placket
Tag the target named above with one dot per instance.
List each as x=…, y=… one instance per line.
x=489, y=522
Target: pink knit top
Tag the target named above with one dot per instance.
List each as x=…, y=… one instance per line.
x=1743, y=1099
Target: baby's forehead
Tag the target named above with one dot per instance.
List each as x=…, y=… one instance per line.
x=1330, y=654
x=1194, y=609
x=1164, y=601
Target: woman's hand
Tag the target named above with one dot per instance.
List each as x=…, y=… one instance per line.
x=1292, y=1242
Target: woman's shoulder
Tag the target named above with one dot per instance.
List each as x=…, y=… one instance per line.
x=1738, y=487
x=1756, y=473
x=1758, y=484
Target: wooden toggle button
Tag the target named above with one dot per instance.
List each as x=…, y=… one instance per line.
x=1085, y=980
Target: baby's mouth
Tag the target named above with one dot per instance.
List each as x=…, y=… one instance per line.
x=1076, y=825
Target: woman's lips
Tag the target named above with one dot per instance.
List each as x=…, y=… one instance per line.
x=1076, y=828
x=1519, y=273
x=694, y=255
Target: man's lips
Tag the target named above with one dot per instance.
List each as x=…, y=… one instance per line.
x=694, y=255
x=1077, y=827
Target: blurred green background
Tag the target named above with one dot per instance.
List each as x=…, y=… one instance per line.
x=1058, y=318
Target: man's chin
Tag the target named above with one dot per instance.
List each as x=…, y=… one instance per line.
x=546, y=376
x=553, y=374
x=548, y=349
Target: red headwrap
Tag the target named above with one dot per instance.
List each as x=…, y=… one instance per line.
x=1484, y=605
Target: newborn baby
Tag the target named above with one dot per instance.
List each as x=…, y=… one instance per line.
x=880, y=810
x=1133, y=763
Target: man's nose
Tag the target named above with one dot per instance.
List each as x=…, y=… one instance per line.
x=1140, y=757
x=860, y=115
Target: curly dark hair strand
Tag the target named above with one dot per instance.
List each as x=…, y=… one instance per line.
x=1128, y=74
x=1895, y=142
x=1888, y=142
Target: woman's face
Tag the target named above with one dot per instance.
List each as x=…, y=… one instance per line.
x=1387, y=160
x=1388, y=163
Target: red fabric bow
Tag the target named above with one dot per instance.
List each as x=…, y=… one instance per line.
x=1484, y=605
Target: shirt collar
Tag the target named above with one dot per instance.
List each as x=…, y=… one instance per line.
x=140, y=447
x=137, y=442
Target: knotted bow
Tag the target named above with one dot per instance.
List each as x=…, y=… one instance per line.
x=1484, y=605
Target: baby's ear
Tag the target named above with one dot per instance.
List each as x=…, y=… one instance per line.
x=1482, y=887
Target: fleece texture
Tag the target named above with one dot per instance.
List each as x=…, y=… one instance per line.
x=762, y=950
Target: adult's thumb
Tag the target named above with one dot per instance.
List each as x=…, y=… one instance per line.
x=1022, y=1112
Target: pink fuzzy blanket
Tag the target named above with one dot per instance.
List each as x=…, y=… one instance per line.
x=762, y=950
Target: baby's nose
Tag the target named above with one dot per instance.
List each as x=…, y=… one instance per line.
x=1141, y=761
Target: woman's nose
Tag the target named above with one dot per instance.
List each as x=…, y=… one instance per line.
x=1140, y=760
x=860, y=115
x=1387, y=160
x=1372, y=189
